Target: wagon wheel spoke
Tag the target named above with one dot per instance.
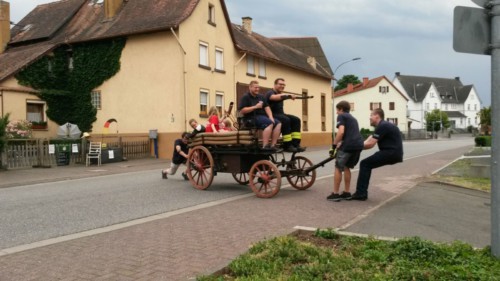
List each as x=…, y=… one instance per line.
x=200, y=167
x=301, y=182
x=265, y=179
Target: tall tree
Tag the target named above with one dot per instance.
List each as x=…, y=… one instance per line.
x=346, y=79
x=485, y=119
x=435, y=118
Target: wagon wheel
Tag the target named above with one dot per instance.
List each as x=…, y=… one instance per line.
x=200, y=167
x=301, y=182
x=265, y=179
x=241, y=178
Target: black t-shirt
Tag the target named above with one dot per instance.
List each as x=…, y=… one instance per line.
x=249, y=100
x=177, y=158
x=352, y=139
x=276, y=106
x=389, y=137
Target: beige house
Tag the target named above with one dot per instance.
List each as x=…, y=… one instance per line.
x=375, y=93
x=180, y=58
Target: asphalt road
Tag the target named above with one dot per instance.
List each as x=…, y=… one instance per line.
x=33, y=213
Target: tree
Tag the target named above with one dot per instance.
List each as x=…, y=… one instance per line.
x=434, y=119
x=346, y=79
x=485, y=119
x=4, y=120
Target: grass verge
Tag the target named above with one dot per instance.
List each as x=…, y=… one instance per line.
x=324, y=255
x=483, y=184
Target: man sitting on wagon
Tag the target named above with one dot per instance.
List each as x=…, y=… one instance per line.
x=254, y=106
x=291, y=124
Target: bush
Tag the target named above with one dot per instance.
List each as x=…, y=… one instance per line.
x=19, y=129
x=483, y=141
x=365, y=133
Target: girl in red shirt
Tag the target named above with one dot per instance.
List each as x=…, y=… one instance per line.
x=213, y=120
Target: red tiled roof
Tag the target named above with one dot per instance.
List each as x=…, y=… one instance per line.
x=370, y=84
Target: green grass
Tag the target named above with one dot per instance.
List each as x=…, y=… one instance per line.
x=354, y=258
x=483, y=184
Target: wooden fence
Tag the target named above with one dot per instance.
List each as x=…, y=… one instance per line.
x=27, y=153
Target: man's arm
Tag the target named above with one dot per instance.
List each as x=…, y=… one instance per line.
x=179, y=150
x=279, y=97
x=370, y=142
x=269, y=113
x=339, y=135
x=248, y=109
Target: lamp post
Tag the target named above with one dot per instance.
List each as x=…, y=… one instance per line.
x=333, y=103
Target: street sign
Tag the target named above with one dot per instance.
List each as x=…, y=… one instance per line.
x=471, y=30
x=480, y=3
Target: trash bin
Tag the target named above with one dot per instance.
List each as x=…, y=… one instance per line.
x=63, y=154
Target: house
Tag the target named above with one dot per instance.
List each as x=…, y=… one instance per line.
x=178, y=60
x=461, y=103
x=371, y=94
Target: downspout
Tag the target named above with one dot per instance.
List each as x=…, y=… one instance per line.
x=183, y=77
x=234, y=77
x=1, y=100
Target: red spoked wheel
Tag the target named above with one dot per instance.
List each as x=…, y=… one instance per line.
x=265, y=179
x=301, y=182
x=241, y=178
x=200, y=167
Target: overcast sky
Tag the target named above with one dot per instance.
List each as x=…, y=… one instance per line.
x=411, y=37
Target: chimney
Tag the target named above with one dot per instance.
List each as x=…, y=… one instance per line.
x=398, y=73
x=457, y=78
x=312, y=61
x=247, y=24
x=111, y=7
x=365, y=81
x=4, y=25
x=350, y=87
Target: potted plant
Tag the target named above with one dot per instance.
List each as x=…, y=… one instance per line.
x=40, y=125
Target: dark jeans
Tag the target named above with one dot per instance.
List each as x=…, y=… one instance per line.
x=379, y=159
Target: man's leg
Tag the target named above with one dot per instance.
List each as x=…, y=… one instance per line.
x=347, y=180
x=285, y=129
x=295, y=126
x=365, y=172
x=276, y=134
x=337, y=180
x=266, y=134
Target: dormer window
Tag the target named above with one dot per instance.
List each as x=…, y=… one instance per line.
x=211, y=14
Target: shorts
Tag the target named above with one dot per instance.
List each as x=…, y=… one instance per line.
x=347, y=159
x=262, y=122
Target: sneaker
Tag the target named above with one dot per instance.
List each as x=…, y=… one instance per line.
x=164, y=175
x=268, y=148
x=358, y=197
x=334, y=197
x=346, y=195
x=185, y=176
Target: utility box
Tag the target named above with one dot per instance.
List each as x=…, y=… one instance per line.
x=153, y=134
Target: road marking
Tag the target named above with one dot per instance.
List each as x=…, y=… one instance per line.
x=118, y=226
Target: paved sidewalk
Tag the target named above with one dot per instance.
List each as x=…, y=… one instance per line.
x=202, y=241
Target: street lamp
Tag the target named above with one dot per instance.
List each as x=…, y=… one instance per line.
x=333, y=104
x=335, y=71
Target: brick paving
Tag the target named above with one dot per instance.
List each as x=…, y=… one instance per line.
x=184, y=246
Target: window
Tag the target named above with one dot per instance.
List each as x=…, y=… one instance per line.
x=219, y=59
x=219, y=102
x=211, y=14
x=432, y=94
x=393, y=121
x=352, y=106
x=95, y=98
x=427, y=106
x=204, y=55
x=323, y=112
x=203, y=102
x=250, y=66
x=468, y=121
x=305, y=106
x=383, y=89
x=435, y=105
x=468, y=107
x=392, y=105
x=475, y=107
x=375, y=105
x=262, y=68
x=35, y=111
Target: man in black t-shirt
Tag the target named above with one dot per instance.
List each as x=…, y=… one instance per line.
x=254, y=106
x=290, y=124
x=179, y=157
x=349, y=143
x=390, y=144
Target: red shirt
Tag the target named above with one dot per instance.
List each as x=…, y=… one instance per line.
x=214, y=119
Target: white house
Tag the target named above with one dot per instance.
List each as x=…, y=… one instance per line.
x=375, y=93
x=461, y=103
